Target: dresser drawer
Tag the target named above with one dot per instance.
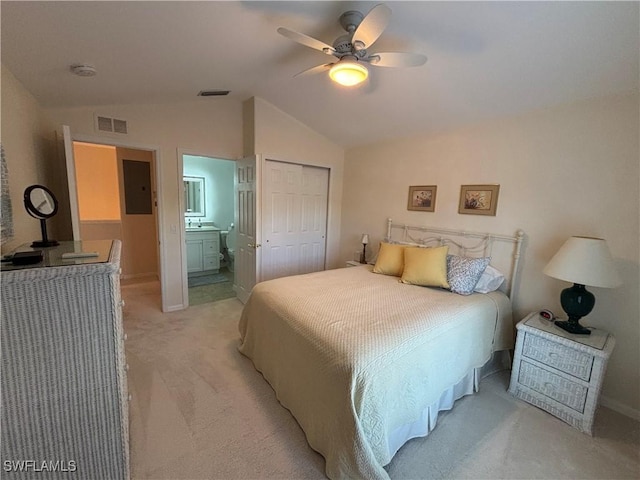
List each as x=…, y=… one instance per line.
x=560, y=389
x=558, y=356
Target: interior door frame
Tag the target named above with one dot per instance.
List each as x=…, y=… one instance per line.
x=116, y=142
x=181, y=152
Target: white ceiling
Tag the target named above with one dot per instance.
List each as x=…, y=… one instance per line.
x=486, y=59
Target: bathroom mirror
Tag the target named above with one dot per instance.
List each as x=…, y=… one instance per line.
x=193, y=196
x=41, y=203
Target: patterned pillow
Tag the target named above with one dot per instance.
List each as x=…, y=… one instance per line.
x=464, y=272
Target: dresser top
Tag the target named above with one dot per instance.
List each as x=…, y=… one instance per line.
x=597, y=339
x=52, y=256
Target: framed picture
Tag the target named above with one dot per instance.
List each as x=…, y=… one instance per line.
x=422, y=198
x=479, y=199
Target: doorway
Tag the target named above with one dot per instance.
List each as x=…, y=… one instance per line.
x=209, y=215
x=116, y=196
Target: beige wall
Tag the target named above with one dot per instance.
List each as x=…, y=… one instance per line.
x=97, y=182
x=566, y=171
x=26, y=146
x=207, y=126
x=275, y=135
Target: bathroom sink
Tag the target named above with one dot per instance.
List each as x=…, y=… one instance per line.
x=206, y=228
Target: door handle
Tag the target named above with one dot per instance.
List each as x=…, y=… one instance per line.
x=253, y=245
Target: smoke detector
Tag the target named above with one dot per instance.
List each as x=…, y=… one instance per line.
x=84, y=70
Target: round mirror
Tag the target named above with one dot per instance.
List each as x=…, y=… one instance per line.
x=41, y=203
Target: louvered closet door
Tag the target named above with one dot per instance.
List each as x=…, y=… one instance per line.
x=294, y=219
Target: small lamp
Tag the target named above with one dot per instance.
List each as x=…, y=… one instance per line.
x=583, y=261
x=365, y=241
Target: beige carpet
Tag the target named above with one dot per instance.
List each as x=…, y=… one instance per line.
x=199, y=410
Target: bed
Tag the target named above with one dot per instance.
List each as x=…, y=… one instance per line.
x=365, y=362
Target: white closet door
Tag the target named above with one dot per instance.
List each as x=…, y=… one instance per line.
x=313, y=218
x=281, y=219
x=294, y=219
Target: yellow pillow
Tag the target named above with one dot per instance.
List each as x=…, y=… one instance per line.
x=426, y=267
x=390, y=259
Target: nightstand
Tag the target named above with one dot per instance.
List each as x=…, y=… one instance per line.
x=353, y=263
x=559, y=372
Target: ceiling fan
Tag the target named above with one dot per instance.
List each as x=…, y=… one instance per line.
x=351, y=49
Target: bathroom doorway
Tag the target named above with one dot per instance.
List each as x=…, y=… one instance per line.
x=209, y=215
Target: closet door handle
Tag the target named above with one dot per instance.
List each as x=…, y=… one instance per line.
x=253, y=245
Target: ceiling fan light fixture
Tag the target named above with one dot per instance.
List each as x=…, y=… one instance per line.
x=348, y=73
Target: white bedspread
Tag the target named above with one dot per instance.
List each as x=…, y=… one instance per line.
x=355, y=355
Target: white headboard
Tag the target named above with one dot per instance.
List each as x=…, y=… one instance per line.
x=504, y=250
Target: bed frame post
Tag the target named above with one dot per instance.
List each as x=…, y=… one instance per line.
x=515, y=269
x=389, y=224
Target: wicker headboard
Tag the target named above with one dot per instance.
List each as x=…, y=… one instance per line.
x=504, y=250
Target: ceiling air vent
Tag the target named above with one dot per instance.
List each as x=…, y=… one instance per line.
x=213, y=93
x=111, y=125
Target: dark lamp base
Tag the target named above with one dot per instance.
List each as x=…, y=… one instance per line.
x=573, y=327
x=577, y=302
x=363, y=255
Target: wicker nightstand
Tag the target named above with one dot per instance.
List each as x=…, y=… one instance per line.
x=560, y=372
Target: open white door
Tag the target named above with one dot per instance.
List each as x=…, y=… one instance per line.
x=247, y=259
x=71, y=181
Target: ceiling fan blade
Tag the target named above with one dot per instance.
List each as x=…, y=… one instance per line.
x=397, y=59
x=371, y=26
x=316, y=69
x=306, y=40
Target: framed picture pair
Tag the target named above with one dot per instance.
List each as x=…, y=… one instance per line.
x=474, y=199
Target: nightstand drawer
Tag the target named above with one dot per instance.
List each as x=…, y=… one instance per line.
x=560, y=389
x=563, y=358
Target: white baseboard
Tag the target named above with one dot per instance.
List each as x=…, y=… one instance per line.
x=620, y=408
x=173, y=308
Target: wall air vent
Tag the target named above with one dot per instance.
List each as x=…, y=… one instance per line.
x=213, y=93
x=110, y=125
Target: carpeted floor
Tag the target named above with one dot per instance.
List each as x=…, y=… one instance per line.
x=199, y=410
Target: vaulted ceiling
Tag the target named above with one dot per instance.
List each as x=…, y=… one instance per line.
x=485, y=59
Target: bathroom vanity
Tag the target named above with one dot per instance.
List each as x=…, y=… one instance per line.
x=203, y=250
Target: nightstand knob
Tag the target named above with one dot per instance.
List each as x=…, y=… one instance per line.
x=548, y=386
x=553, y=355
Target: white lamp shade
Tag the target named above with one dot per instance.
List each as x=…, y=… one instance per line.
x=365, y=239
x=586, y=261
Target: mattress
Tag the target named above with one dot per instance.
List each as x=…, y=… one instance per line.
x=357, y=357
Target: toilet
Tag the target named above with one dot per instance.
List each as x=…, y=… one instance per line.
x=228, y=243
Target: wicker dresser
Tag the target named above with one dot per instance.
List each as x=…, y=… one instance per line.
x=64, y=390
x=560, y=372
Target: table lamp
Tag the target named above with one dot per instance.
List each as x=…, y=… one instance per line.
x=583, y=261
x=365, y=241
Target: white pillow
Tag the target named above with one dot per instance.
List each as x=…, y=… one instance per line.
x=490, y=280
